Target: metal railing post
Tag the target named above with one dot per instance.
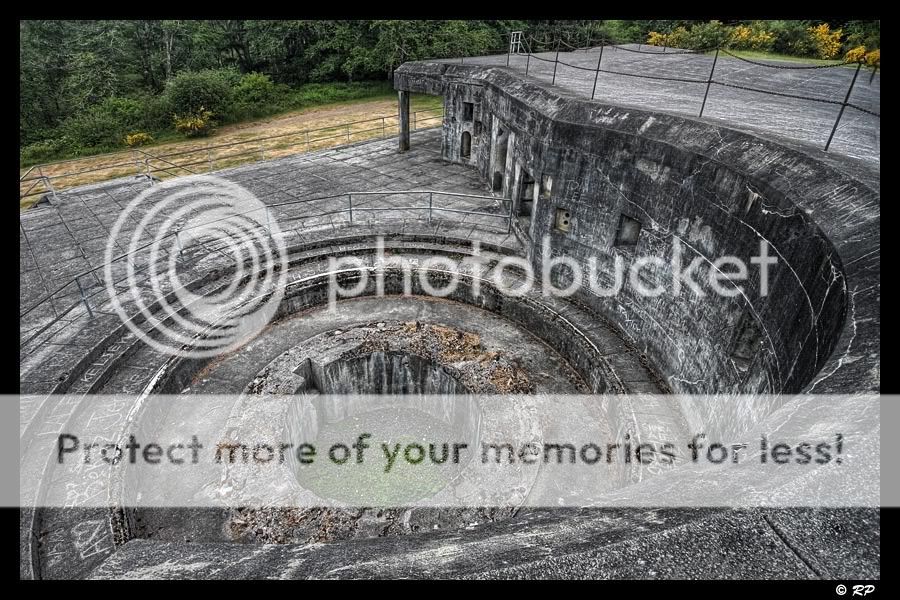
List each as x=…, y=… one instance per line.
x=148, y=173
x=709, y=82
x=509, y=217
x=209, y=156
x=350, y=201
x=382, y=127
x=84, y=298
x=178, y=243
x=597, y=74
x=415, y=112
x=50, y=187
x=137, y=161
x=843, y=106
x=348, y=134
x=527, y=62
x=307, y=142
x=268, y=222
x=555, y=64
x=430, y=206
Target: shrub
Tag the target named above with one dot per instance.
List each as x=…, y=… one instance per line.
x=704, y=36
x=139, y=138
x=189, y=92
x=701, y=36
x=862, y=33
x=792, y=37
x=196, y=124
x=751, y=37
x=45, y=150
x=826, y=42
x=857, y=54
x=255, y=88
x=618, y=32
x=873, y=58
x=655, y=38
x=105, y=124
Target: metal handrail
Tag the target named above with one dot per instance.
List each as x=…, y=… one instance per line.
x=431, y=208
x=306, y=133
x=203, y=149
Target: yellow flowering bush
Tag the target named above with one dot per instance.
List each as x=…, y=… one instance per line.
x=826, y=41
x=857, y=54
x=655, y=38
x=873, y=58
x=140, y=138
x=195, y=124
x=752, y=37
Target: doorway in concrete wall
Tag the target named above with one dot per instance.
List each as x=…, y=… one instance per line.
x=526, y=200
x=498, y=159
x=465, y=145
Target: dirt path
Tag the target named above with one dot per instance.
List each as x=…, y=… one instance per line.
x=299, y=131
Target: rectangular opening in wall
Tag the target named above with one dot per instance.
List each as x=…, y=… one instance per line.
x=546, y=185
x=465, y=145
x=468, y=111
x=628, y=231
x=746, y=343
x=563, y=221
x=526, y=200
x=476, y=129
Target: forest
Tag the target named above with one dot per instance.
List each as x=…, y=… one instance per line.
x=94, y=86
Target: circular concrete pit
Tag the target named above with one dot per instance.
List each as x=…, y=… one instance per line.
x=717, y=189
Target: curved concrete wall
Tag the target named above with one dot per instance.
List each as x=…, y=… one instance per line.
x=715, y=190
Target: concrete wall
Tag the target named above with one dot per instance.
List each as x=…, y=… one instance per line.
x=715, y=190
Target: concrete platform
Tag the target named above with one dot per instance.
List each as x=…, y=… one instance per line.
x=858, y=135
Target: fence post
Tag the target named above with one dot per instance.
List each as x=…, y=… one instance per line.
x=555, y=64
x=597, y=75
x=84, y=298
x=209, y=156
x=50, y=187
x=350, y=200
x=527, y=61
x=843, y=106
x=137, y=161
x=382, y=127
x=178, y=242
x=414, y=119
x=509, y=218
x=430, y=204
x=709, y=82
x=148, y=173
x=348, y=134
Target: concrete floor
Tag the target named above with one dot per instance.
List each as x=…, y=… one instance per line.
x=60, y=241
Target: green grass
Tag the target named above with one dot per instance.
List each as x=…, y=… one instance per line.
x=313, y=95
x=773, y=56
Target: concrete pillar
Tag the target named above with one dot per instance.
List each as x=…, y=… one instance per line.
x=403, y=108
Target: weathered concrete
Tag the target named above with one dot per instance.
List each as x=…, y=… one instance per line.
x=716, y=188
x=718, y=192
